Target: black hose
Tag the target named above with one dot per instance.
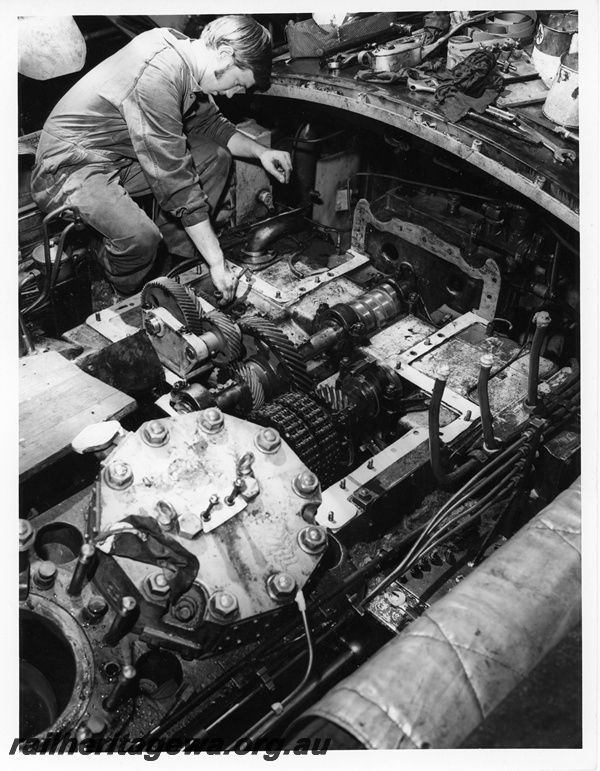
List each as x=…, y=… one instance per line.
x=435, y=452
x=489, y=441
x=542, y=320
x=192, y=262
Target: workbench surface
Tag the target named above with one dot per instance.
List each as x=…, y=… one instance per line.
x=529, y=169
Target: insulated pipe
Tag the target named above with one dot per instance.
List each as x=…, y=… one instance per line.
x=431, y=686
x=542, y=320
x=489, y=442
x=435, y=451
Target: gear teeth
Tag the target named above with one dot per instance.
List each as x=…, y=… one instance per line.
x=249, y=377
x=178, y=300
x=229, y=331
x=335, y=399
x=291, y=362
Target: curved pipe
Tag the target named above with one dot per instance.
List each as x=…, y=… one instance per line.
x=542, y=320
x=272, y=229
x=52, y=268
x=473, y=646
x=435, y=450
x=489, y=441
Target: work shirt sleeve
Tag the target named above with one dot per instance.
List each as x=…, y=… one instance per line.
x=153, y=113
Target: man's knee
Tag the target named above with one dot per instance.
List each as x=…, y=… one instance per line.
x=223, y=161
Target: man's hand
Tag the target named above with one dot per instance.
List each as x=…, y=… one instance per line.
x=224, y=280
x=278, y=163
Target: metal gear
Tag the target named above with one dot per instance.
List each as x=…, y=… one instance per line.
x=183, y=304
x=228, y=333
x=242, y=373
x=308, y=429
x=180, y=301
x=266, y=333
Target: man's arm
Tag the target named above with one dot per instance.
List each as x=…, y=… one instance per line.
x=276, y=162
x=207, y=243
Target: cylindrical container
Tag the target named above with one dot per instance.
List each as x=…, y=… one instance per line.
x=65, y=266
x=551, y=42
x=562, y=103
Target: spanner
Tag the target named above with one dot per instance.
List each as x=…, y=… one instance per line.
x=561, y=154
x=422, y=84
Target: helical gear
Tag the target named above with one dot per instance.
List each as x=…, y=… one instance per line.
x=183, y=304
x=228, y=332
x=243, y=373
x=281, y=347
x=180, y=301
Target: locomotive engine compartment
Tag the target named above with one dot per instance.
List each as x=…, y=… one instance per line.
x=391, y=397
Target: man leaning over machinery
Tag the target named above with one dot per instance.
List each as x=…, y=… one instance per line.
x=144, y=121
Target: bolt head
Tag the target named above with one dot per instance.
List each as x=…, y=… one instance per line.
x=155, y=433
x=212, y=420
x=128, y=604
x=118, y=475
x=223, y=604
x=267, y=440
x=312, y=539
x=157, y=585
x=26, y=534
x=305, y=484
x=281, y=585
x=186, y=609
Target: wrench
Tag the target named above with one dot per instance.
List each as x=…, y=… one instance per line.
x=561, y=154
x=423, y=84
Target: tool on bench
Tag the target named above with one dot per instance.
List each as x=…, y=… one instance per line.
x=519, y=127
x=423, y=83
x=564, y=132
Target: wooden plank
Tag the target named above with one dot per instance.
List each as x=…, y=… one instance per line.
x=56, y=401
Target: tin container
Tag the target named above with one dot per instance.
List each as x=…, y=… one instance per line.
x=393, y=56
x=551, y=43
x=562, y=103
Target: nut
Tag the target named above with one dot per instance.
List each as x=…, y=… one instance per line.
x=26, y=534
x=267, y=440
x=157, y=585
x=312, y=539
x=118, y=475
x=281, y=585
x=212, y=420
x=223, y=605
x=185, y=610
x=155, y=433
x=305, y=484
